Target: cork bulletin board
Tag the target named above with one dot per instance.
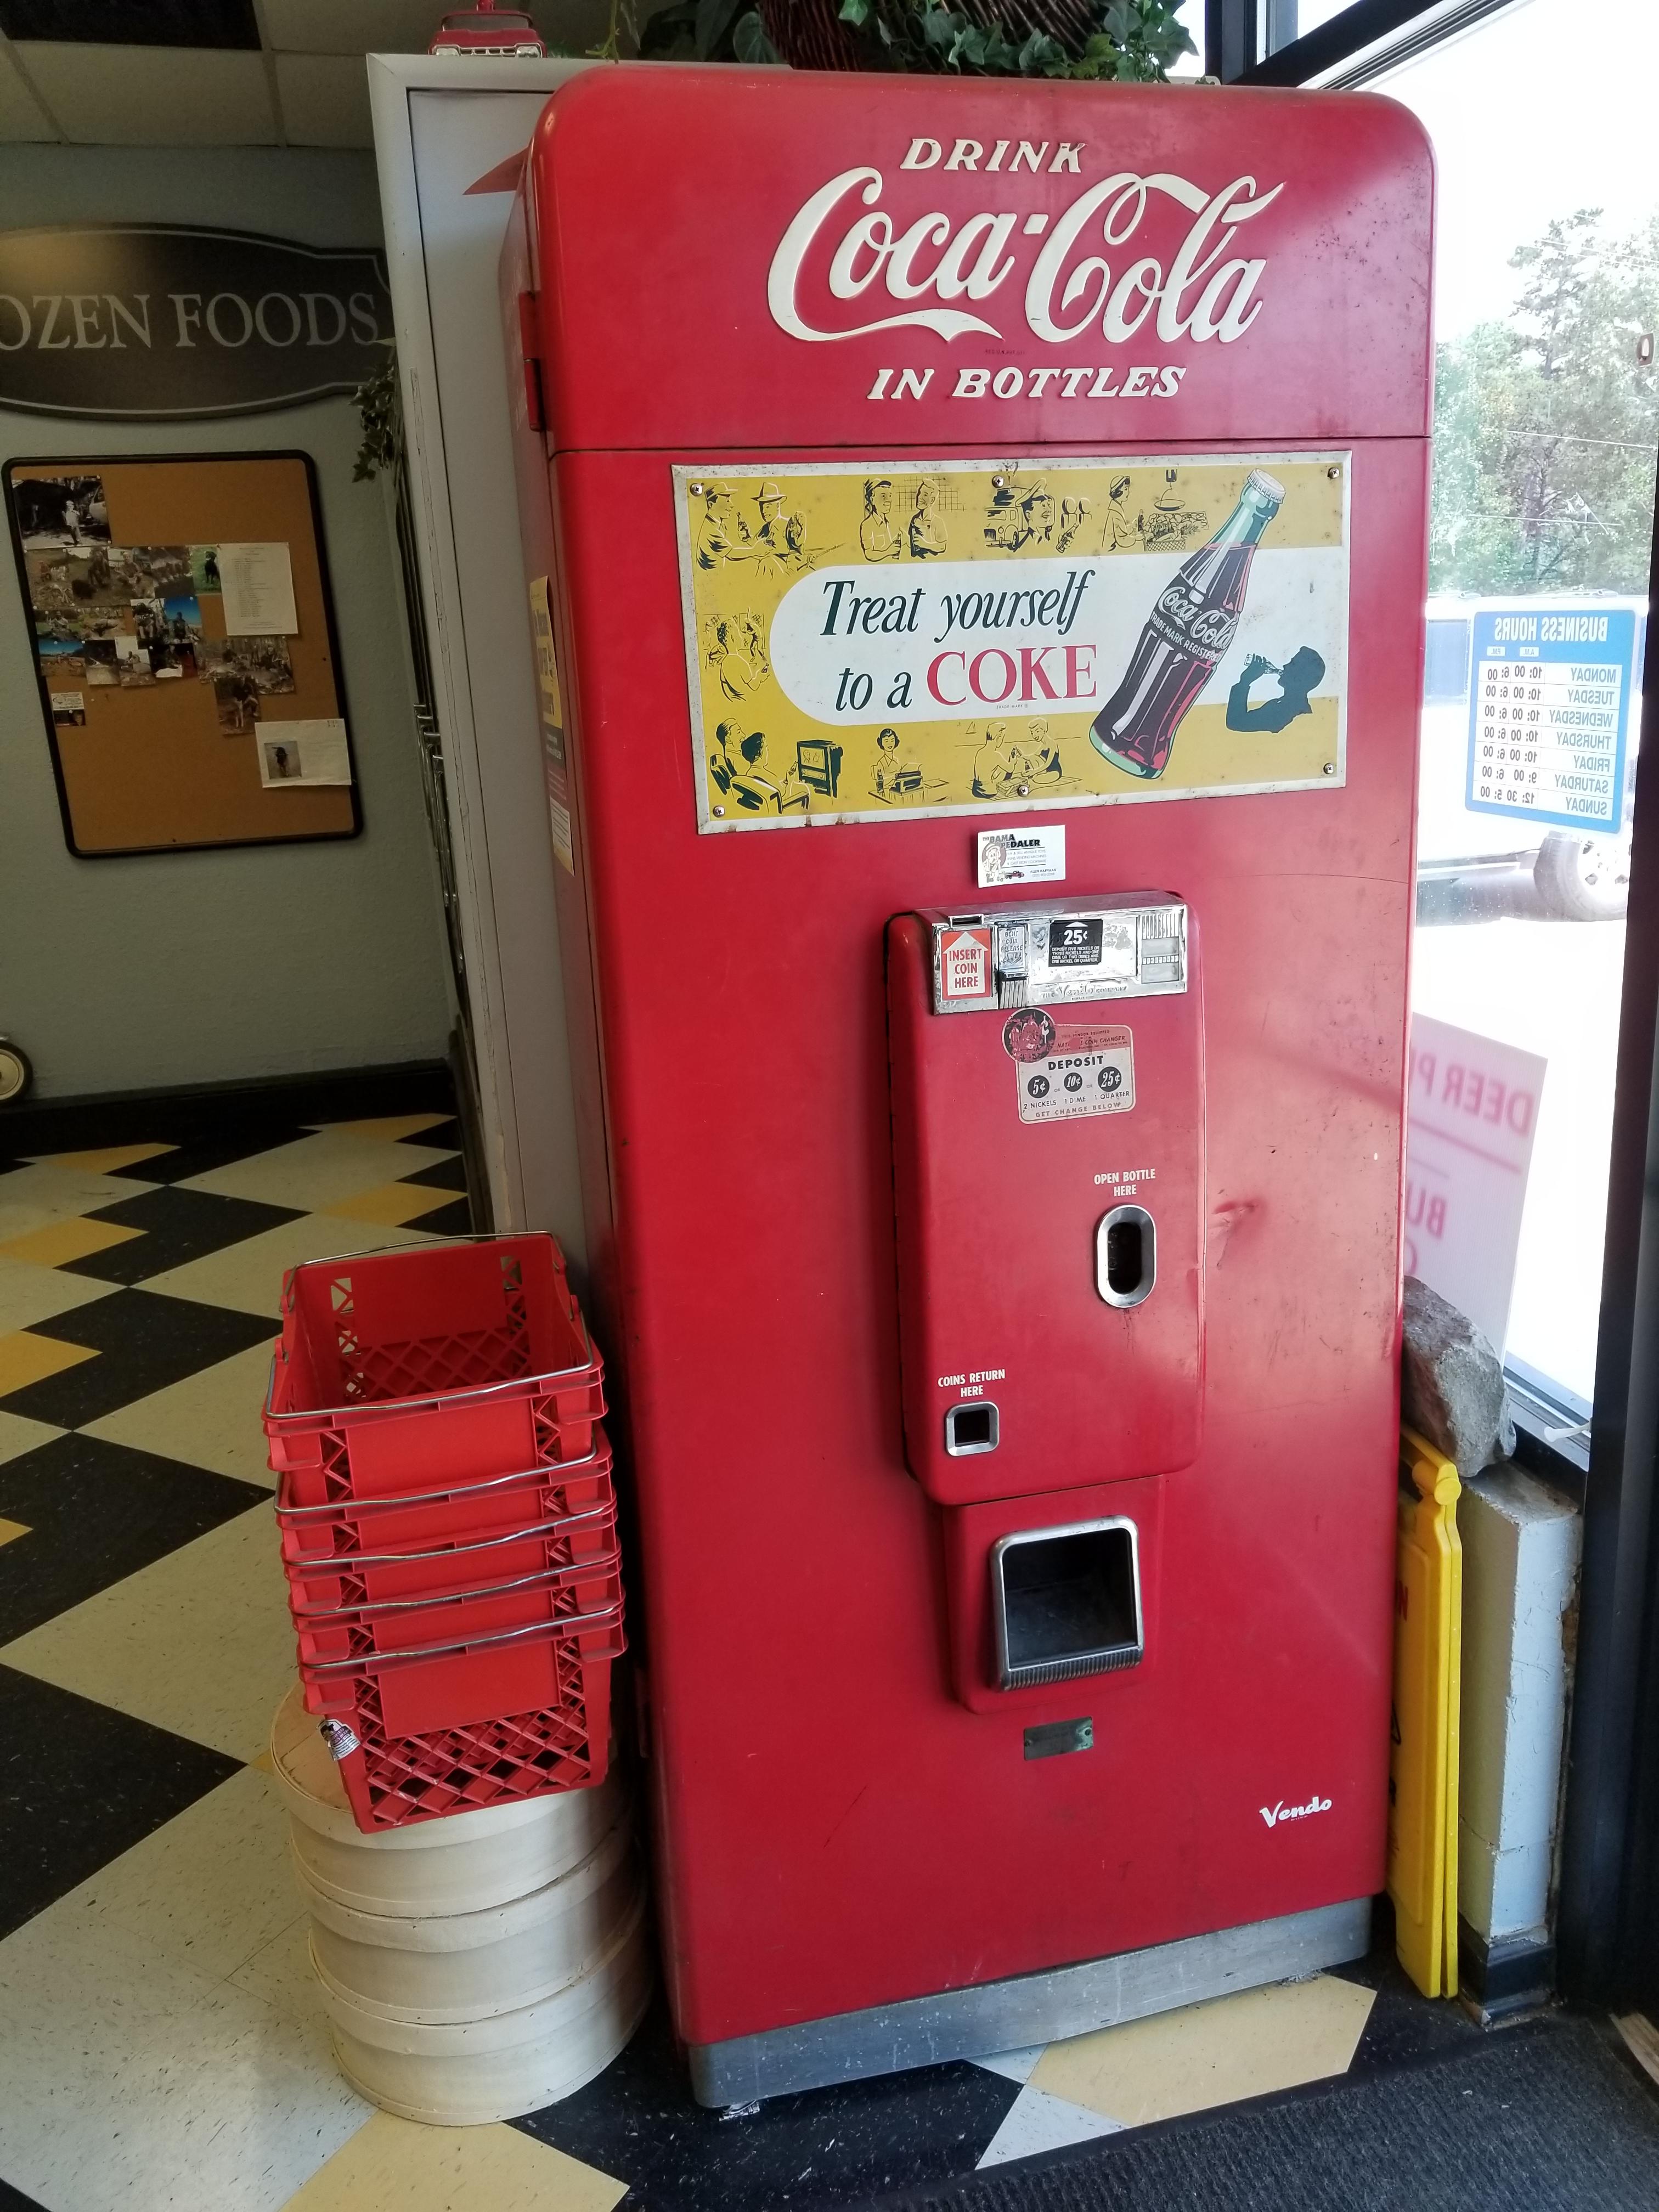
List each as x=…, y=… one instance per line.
x=186, y=651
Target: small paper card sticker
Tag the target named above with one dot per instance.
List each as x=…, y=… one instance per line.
x=1022, y=856
x=303, y=752
x=1089, y=1071
x=965, y=965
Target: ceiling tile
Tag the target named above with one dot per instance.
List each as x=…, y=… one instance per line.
x=324, y=99
x=20, y=114
x=154, y=95
x=133, y=22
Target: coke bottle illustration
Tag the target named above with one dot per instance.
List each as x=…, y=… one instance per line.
x=1186, y=634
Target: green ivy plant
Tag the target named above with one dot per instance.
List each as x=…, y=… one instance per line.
x=1131, y=41
x=380, y=412
x=707, y=31
x=1127, y=42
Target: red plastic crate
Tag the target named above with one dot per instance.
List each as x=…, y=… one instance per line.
x=329, y=1580
x=454, y=1512
x=440, y=1363
x=392, y=1779
x=463, y=1681
x=332, y=1633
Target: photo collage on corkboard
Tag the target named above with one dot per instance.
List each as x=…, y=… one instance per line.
x=184, y=638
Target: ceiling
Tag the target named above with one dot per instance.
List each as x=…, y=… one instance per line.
x=220, y=72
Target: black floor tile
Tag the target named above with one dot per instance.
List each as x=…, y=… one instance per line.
x=833, y=2147
x=200, y=1154
x=79, y=1784
x=144, y=1342
x=1404, y=2027
x=175, y=1225
x=442, y=1175
x=448, y=1221
x=13, y=2200
x=96, y=1512
x=443, y=1136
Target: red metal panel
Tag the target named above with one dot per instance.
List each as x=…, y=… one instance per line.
x=836, y=1827
x=996, y=1236
x=690, y=223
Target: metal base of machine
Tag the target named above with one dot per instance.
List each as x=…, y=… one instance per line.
x=1029, y=2009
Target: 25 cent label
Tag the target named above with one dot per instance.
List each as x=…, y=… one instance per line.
x=1090, y=1071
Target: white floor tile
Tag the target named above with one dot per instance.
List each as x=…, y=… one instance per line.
x=210, y=1419
x=18, y=1436
x=333, y=1163
x=132, y=2084
x=1037, y=2121
x=200, y=1643
x=33, y=1196
x=1014, y=2065
x=281, y=1974
x=30, y=1294
x=209, y=1889
x=248, y=1276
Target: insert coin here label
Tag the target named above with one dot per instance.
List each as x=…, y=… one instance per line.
x=1090, y=1071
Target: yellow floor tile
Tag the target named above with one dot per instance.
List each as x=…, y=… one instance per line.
x=26, y=1358
x=313, y=1173
x=18, y=1436
x=104, y=1161
x=30, y=1294
x=394, y=1203
x=1210, y=2054
x=249, y=1275
x=30, y=1197
x=9, y=1530
x=394, y=2166
x=60, y=1241
x=210, y=1419
x=389, y=1128
x=200, y=1642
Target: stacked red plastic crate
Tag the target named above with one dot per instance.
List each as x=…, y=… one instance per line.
x=449, y=1523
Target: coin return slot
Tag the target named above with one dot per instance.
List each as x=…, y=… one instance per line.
x=1066, y=1601
x=1125, y=1256
x=971, y=1428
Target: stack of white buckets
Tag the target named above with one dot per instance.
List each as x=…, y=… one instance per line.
x=476, y=1967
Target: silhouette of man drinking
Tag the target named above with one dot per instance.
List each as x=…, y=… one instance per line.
x=1296, y=679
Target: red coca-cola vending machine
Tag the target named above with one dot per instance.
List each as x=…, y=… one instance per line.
x=977, y=538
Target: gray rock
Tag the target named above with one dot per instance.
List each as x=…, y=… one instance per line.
x=1451, y=1384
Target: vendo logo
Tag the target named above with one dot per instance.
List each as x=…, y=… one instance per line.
x=1185, y=283
x=1272, y=1815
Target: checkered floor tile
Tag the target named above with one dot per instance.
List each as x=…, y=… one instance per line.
x=161, y=2040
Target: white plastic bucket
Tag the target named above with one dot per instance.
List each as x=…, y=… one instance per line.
x=473, y=1965
x=465, y=2073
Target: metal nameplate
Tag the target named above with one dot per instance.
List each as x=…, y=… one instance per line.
x=1058, y=953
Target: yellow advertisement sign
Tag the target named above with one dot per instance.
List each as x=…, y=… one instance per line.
x=871, y=640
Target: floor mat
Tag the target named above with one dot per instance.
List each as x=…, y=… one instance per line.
x=1543, y=2115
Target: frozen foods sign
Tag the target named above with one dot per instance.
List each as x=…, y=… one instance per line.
x=878, y=638
x=148, y=322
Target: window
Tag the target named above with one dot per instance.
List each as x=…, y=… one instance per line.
x=1547, y=274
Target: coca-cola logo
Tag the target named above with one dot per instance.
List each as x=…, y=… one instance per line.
x=1212, y=630
x=844, y=246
